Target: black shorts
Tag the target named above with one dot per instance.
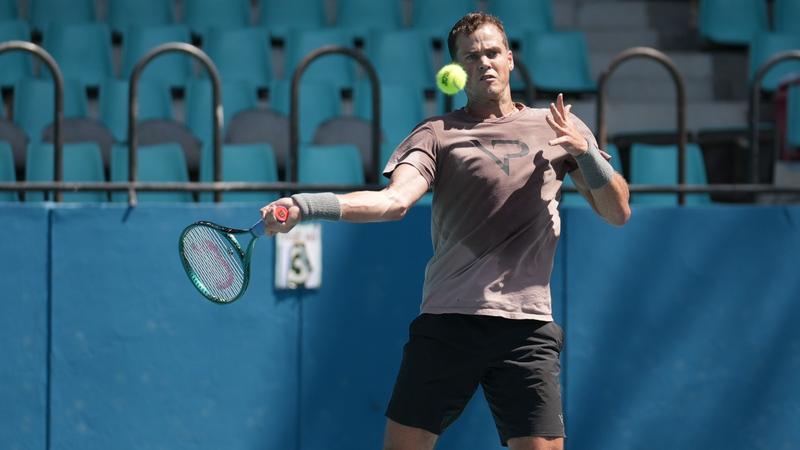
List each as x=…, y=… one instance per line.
x=515, y=361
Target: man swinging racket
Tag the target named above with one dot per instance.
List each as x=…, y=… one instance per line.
x=496, y=169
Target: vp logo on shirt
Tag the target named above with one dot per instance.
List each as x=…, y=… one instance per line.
x=522, y=148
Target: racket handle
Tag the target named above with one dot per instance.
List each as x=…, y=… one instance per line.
x=281, y=213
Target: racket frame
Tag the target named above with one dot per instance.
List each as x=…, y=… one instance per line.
x=245, y=255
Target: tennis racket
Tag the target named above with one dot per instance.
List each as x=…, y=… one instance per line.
x=214, y=259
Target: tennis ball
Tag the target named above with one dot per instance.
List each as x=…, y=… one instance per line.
x=451, y=78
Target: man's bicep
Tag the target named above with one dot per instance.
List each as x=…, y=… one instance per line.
x=408, y=184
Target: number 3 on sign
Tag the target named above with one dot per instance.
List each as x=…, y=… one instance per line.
x=298, y=257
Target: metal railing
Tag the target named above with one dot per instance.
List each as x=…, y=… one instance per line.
x=666, y=62
x=58, y=104
x=133, y=104
x=218, y=187
x=755, y=97
x=294, y=112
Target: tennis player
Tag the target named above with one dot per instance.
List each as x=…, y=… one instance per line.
x=496, y=169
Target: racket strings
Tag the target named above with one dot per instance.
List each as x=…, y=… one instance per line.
x=215, y=263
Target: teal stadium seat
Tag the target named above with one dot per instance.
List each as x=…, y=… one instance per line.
x=385, y=48
x=281, y=16
x=319, y=101
x=77, y=130
x=157, y=163
x=261, y=125
x=402, y=108
x=154, y=102
x=576, y=199
x=335, y=69
x=241, y=54
x=82, y=162
x=559, y=62
x=658, y=164
x=173, y=69
x=42, y=13
x=203, y=15
x=236, y=96
x=351, y=130
x=330, y=164
x=521, y=17
x=123, y=14
x=8, y=10
x=255, y=163
x=34, y=103
x=14, y=65
x=435, y=18
x=82, y=51
x=732, y=22
x=363, y=16
x=786, y=16
x=7, y=172
x=763, y=47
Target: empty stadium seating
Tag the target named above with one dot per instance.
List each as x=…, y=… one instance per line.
x=330, y=164
x=732, y=22
x=15, y=65
x=173, y=69
x=124, y=14
x=257, y=45
x=521, y=17
x=157, y=163
x=658, y=164
x=153, y=98
x=242, y=162
x=82, y=162
x=241, y=54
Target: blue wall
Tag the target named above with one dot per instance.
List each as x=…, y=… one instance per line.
x=680, y=333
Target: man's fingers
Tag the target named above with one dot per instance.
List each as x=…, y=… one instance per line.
x=556, y=127
x=559, y=141
x=557, y=115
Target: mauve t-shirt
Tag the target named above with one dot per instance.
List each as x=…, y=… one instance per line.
x=495, y=223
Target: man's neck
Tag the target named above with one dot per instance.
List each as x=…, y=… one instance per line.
x=491, y=109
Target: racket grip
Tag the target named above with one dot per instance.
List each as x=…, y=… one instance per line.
x=281, y=213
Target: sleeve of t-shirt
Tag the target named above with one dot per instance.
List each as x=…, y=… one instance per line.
x=417, y=150
x=570, y=163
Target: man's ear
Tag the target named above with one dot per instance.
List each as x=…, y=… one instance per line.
x=510, y=60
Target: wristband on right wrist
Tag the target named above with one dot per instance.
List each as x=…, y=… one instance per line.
x=320, y=206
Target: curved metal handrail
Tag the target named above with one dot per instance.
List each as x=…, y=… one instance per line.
x=58, y=109
x=133, y=109
x=755, y=91
x=294, y=112
x=665, y=61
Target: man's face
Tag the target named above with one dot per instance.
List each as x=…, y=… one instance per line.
x=487, y=61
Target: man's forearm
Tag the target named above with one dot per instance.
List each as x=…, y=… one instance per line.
x=611, y=200
x=372, y=206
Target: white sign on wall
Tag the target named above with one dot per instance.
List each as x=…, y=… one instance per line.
x=298, y=257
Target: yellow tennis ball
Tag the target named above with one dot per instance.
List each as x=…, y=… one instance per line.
x=451, y=78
